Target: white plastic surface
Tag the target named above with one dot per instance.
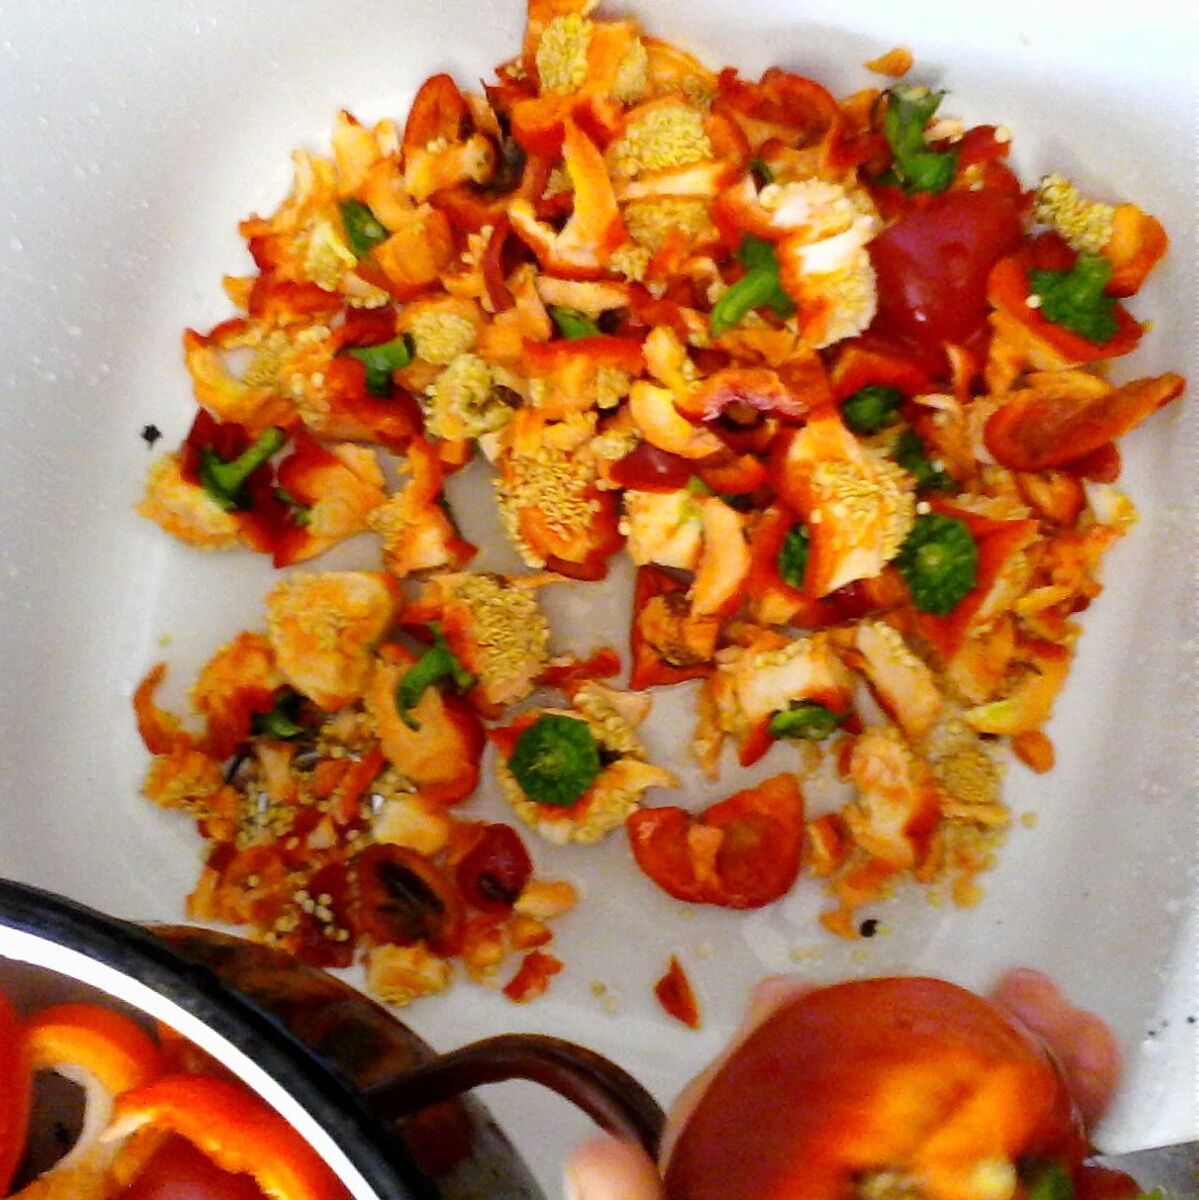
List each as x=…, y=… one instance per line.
x=134, y=136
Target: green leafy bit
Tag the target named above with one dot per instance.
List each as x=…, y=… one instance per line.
x=225, y=481
x=280, y=722
x=555, y=760
x=1051, y=1181
x=438, y=665
x=872, y=408
x=381, y=360
x=573, y=324
x=916, y=167
x=761, y=171
x=939, y=561
x=759, y=287
x=1075, y=299
x=298, y=513
x=909, y=453
x=807, y=720
x=364, y=231
x=793, y=556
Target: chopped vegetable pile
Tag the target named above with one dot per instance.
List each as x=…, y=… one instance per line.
x=825, y=370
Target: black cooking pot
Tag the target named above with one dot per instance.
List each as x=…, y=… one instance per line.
x=385, y=1111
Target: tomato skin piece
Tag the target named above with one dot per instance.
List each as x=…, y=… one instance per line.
x=14, y=1095
x=914, y=1073
x=649, y=667
x=743, y=852
x=493, y=872
x=178, y=1171
x=932, y=266
x=676, y=996
x=649, y=469
x=403, y=898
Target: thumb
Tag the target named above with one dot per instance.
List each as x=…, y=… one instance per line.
x=603, y=1168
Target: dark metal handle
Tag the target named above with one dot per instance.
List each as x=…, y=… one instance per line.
x=609, y=1095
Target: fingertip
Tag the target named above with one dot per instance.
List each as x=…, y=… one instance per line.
x=602, y=1168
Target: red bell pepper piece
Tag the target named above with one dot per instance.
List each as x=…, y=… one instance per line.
x=858, y=366
x=232, y=1126
x=533, y=977
x=1034, y=430
x=1008, y=289
x=997, y=542
x=14, y=1095
x=650, y=666
x=741, y=853
x=676, y=995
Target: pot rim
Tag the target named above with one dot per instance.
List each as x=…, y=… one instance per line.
x=129, y=963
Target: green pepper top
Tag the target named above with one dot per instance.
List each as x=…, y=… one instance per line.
x=555, y=760
x=939, y=561
x=1075, y=299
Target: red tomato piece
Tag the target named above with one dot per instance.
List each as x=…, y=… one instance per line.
x=741, y=853
x=648, y=469
x=495, y=870
x=404, y=898
x=932, y=266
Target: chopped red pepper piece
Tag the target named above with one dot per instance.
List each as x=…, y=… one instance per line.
x=1008, y=289
x=654, y=635
x=14, y=1095
x=232, y=1126
x=676, y=995
x=533, y=977
x=1038, y=428
x=741, y=853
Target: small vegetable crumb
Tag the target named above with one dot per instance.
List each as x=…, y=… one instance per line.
x=675, y=994
x=151, y=434
x=869, y=927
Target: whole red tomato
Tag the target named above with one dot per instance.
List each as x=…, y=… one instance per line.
x=913, y=1080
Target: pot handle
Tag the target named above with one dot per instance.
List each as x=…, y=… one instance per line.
x=608, y=1094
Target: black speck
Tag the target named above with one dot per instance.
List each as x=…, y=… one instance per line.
x=868, y=927
x=1153, y=1033
x=1192, y=1020
x=151, y=434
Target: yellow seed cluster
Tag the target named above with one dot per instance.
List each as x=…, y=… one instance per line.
x=1085, y=224
x=562, y=53
x=611, y=386
x=630, y=260
x=964, y=769
x=882, y=495
x=632, y=76
x=607, y=725
x=554, y=482
x=649, y=221
x=670, y=136
x=462, y=402
x=440, y=337
x=327, y=258
x=510, y=632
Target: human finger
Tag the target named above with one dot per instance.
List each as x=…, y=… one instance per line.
x=1086, y=1050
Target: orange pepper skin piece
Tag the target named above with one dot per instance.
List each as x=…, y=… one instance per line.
x=112, y=1047
x=1031, y=432
x=16, y=1073
x=917, y=1074
x=240, y=1132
